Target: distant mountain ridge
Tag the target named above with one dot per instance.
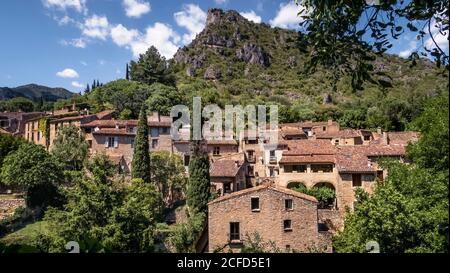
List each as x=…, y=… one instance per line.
x=35, y=92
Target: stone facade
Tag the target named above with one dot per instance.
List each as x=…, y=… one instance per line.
x=268, y=220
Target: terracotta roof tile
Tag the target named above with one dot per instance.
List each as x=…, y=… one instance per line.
x=225, y=168
x=307, y=159
x=345, y=133
x=264, y=187
x=113, y=131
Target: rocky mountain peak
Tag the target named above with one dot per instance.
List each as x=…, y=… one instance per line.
x=218, y=16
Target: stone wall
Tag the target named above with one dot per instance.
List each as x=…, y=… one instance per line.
x=8, y=206
x=267, y=221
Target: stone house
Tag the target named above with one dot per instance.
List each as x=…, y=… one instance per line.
x=228, y=174
x=14, y=123
x=285, y=217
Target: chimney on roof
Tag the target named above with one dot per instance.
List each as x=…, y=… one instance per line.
x=379, y=131
x=330, y=122
x=369, y=163
x=385, y=138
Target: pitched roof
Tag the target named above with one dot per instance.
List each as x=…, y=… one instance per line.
x=309, y=147
x=356, y=158
x=225, y=168
x=113, y=131
x=222, y=142
x=402, y=138
x=307, y=159
x=345, y=133
x=264, y=187
x=103, y=114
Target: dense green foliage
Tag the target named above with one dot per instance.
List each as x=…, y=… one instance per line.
x=344, y=36
x=184, y=235
x=122, y=95
x=151, y=68
x=8, y=144
x=118, y=219
x=162, y=98
x=35, y=170
x=198, y=190
x=70, y=148
x=18, y=104
x=141, y=157
x=323, y=194
x=167, y=172
x=405, y=212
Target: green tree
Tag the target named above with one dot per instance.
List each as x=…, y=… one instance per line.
x=121, y=95
x=198, y=191
x=150, y=68
x=38, y=172
x=141, y=156
x=8, y=144
x=131, y=226
x=127, y=73
x=70, y=148
x=168, y=172
x=162, y=98
x=118, y=219
x=344, y=36
x=16, y=105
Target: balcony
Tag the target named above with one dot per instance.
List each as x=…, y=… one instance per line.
x=273, y=160
x=251, y=159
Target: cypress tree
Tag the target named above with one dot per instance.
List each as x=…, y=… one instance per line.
x=198, y=192
x=93, y=85
x=141, y=156
x=88, y=89
x=127, y=75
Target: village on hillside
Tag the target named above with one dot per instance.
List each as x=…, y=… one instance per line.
x=257, y=185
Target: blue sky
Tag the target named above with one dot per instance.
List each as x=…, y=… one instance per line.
x=68, y=43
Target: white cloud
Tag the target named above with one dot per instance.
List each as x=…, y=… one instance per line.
x=160, y=35
x=136, y=8
x=78, y=5
x=220, y=2
x=79, y=43
x=252, y=16
x=96, y=27
x=68, y=73
x=193, y=18
x=287, y=16
x=77, y=84
x=122, y=36
x=441, y=39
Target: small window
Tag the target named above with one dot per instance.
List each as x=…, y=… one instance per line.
x=38, y=135
x=287, y=225
x=272, y=153
x=110, y=142
x=336, y=142
x=234, y=231
x=288, y=204
x=154, y=143
x=366, y=137
x=255, y=203
x=324, y=128
x=187, y=159
x=356, y=180
x=216, y=150
x=132, y=142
